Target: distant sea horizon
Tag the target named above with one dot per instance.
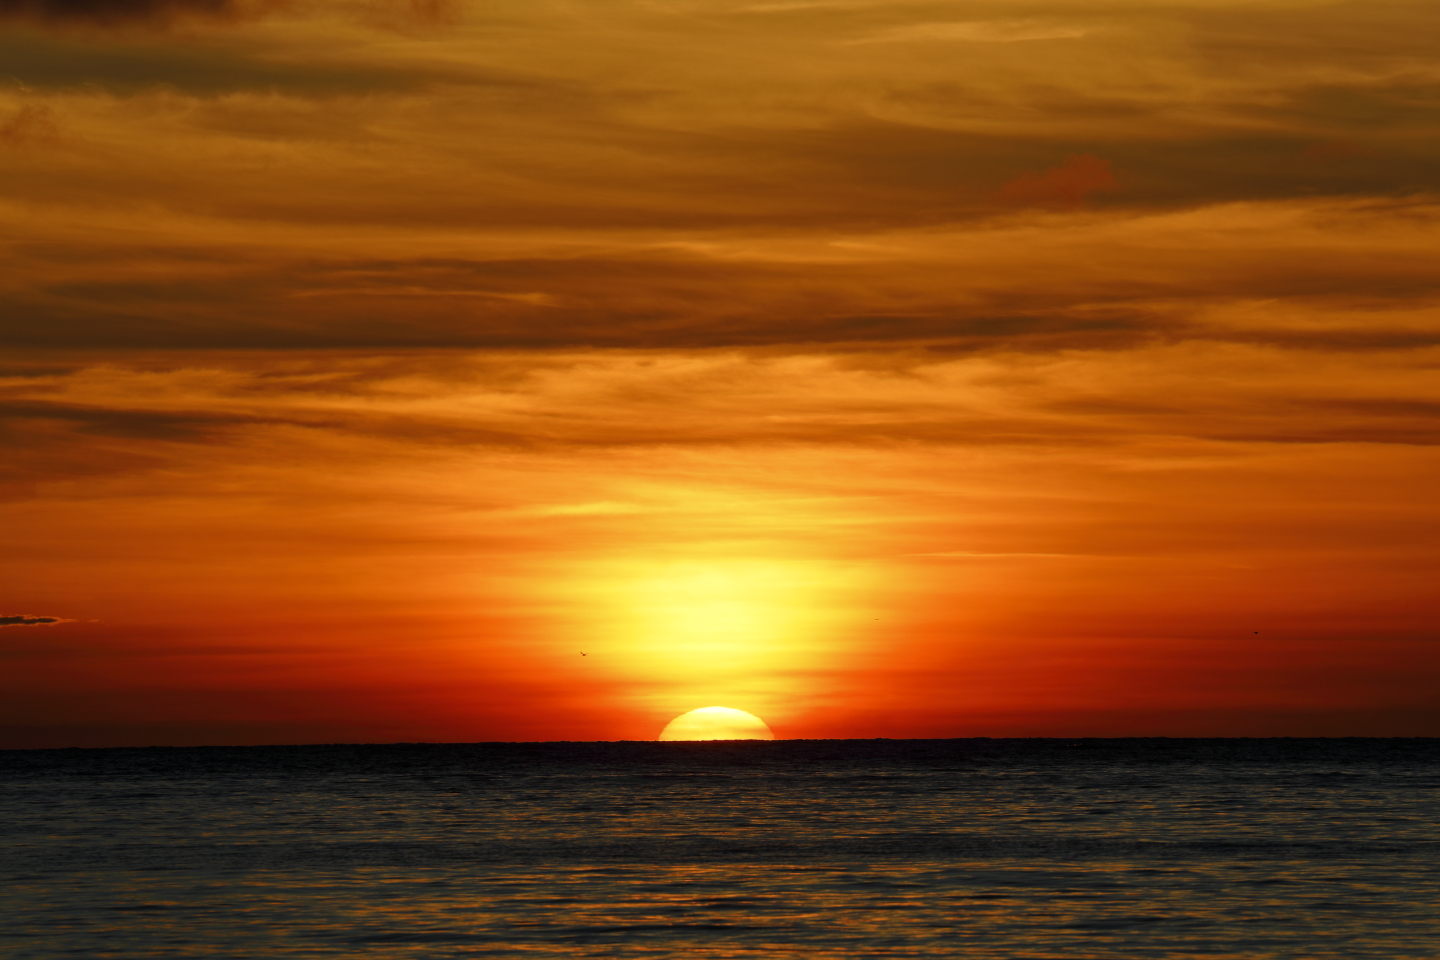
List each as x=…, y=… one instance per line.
x=955, y=739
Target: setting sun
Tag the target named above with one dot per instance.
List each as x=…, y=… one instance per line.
x=717, y=723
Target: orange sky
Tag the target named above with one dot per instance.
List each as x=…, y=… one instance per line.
x=878, y=368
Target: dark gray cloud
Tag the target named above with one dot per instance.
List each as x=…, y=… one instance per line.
x=28, y=620
x=46, y=63
x=667, y=300
x=123, y=14
x=118, y=13
x=143, y=424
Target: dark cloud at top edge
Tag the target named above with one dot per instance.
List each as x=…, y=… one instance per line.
x=121, y=13
x=50, y=63
x=151, y=14
x=29, y=620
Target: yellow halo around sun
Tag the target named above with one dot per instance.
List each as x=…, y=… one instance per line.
x=716, y=723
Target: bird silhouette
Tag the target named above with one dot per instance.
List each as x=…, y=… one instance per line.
x=584, y=654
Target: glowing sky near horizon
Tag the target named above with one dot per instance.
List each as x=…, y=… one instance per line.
x=877, y=368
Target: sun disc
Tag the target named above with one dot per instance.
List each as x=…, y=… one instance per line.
x=716, y=723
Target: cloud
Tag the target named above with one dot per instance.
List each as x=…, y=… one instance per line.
x=29, y=620
x=551, y=401
x=1066, y=186
x=46, y=64
x=978, y=31
x=1326, y=274
x=154, y=424
x=124, y=13
x=160, y=14
x=30, y=125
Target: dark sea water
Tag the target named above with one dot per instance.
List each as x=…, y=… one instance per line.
x=856, y=848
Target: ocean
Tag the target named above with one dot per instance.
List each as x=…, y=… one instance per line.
x=975, y=848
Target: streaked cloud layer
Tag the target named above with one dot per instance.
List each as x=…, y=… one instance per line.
x=1071, y=364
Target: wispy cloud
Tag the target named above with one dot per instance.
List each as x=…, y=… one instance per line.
x=1067, y=185
x=28, y=620
x=125, y=13
x=977, y=31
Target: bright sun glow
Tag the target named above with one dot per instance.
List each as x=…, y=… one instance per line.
x=720, y=627
x=716, y=723
x=735, y=614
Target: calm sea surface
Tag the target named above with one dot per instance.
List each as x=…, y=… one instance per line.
x=854, y=848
